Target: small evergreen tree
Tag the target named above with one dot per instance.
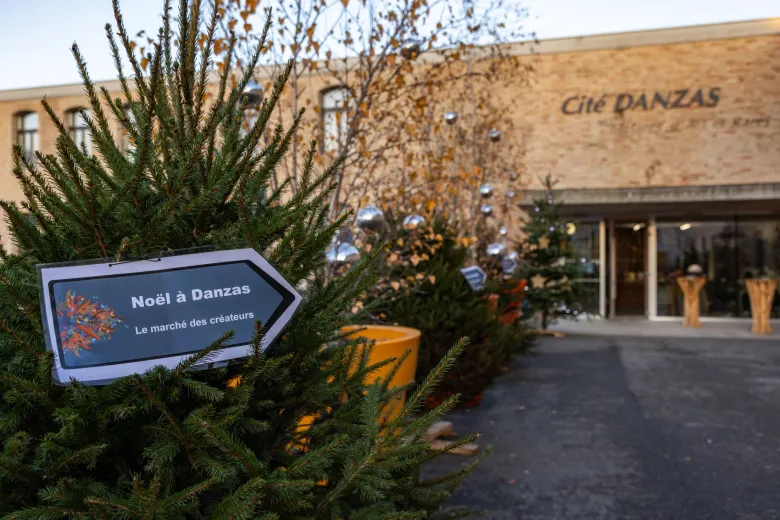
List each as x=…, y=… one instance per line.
x=422, y=286
x=549, y=261
x=176, y=444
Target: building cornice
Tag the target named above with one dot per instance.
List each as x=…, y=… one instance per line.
x=669, y=36
x=656, y=195
x=649, y=38
x=36, y=93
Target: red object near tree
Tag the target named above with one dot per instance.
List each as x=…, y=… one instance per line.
x=512, y=311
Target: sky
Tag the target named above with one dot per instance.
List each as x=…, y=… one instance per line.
x=36, y=35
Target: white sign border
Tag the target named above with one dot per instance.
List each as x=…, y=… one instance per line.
x=465, y=271
x=97, y=375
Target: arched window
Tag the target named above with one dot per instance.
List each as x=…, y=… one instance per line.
x=77, y=127
x=27, y=132
x=127, y=144
x=334, y=104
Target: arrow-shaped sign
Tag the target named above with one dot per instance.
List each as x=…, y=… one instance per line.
x=475, y=277
x=104, y=321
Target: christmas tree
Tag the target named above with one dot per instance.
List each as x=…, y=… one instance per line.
x=422, y=286
x=220, y=443
x=549, y=261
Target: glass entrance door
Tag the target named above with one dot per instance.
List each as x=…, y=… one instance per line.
x=585, y=240
x=630, y=245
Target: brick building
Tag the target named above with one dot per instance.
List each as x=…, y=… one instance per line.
x=665, y=143
x=667, y=147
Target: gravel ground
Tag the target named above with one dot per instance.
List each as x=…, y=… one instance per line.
x=625, y=428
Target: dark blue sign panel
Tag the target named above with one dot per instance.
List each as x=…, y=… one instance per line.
x=110, y=320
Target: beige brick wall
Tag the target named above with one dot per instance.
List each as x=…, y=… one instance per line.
x=736, y=141
x=9, y=188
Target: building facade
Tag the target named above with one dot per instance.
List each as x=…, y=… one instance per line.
x=665, y=145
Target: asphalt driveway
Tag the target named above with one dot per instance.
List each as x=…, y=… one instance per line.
x=621, y=428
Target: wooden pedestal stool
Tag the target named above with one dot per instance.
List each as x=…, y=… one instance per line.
x=761, y=292
x=691, y=288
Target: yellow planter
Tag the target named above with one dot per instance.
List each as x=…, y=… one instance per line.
x=389, y=342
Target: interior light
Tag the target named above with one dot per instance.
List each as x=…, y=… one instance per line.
x=686, y=226
x=637, y=227
x=571, y=228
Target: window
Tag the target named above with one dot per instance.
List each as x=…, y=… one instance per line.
x=78, y=129
x=27, y=132
x=729, y=250
x=128, y=144
x=584, y=240
x=334, y=105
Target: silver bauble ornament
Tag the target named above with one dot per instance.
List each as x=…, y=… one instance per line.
x=494, y=135
x=342, y=236
x=410, y=49
x=451, y=118
x=503, y=231
x=486, y=191
x=342, y=254
x=496, y=250
x=370, y=219
x=252, y=95
x=486, y=209
x=413, y=222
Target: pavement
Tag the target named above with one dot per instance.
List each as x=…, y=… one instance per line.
x=641, y=327
x=629, y=428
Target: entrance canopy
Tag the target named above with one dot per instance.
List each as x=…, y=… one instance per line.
x=683, y=201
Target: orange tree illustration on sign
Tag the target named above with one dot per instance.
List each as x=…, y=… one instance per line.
x=83, y=322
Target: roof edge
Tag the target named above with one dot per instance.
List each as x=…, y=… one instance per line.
x=650, y=37
x=657, y=194
x=595, y=42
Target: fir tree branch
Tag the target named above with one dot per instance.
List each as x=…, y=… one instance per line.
x=20, y=341
x=140, y=84
x=177, y=430
x=224, y=441
x=416, y=400
x=202, y=356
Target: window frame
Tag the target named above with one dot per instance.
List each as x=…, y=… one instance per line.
x=21, y=133
x=344, y=110
x=73, y=116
